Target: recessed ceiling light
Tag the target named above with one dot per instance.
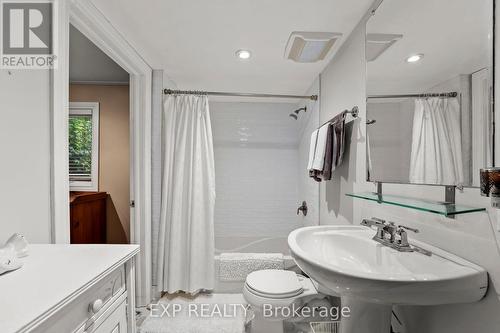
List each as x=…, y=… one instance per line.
x=414, y=58
x=243, y=54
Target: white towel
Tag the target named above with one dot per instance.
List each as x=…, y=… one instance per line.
x=319, y=155
x=236, y=266
x=312, y=149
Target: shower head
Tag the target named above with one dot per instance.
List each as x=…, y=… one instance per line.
x=295, y=113
x=301, y=109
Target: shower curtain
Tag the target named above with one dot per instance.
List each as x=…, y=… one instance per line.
x=436, y=152
x=186, y=232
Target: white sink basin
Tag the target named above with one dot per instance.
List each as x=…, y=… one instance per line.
x=346, y=261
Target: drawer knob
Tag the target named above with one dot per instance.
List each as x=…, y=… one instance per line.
x=95, y=306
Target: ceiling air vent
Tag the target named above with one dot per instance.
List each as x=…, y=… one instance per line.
x=303, y=46
x=376, y=44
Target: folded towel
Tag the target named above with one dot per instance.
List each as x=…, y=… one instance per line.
x=338, y=123
x=236, y=266
x=312, y=149
x=312, y=153
x=335, y=147
x=318, y=163
x=322, y=164
x=327, y=167
x=328, y=143
x=319, y=155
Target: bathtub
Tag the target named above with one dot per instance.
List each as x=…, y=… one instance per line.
x=248, y=245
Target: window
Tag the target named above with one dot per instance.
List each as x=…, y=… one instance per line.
x=83, y=136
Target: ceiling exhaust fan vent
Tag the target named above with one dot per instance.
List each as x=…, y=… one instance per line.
x=376, y=44
x=307, y=47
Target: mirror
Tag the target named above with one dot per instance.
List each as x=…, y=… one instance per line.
x=430, y=88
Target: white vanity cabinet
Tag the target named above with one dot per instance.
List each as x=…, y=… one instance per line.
x=71, y=289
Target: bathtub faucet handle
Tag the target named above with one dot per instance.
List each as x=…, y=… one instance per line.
x=302, y=208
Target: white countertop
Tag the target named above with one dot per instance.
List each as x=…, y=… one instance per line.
x=51, y=273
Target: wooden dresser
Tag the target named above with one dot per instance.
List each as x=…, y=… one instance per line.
x=88, y=217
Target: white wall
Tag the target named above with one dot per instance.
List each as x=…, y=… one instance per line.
x=470, y=236
x=256, y=166
x=342, y=87
x=25, y=161
x=308, y=187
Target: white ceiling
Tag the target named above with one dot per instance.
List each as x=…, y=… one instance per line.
x=87, y=63
x=454, y=35
x=195, y=41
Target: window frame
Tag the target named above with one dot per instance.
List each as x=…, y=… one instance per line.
x=88, y=109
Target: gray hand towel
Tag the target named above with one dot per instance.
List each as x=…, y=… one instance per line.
x=327, y=168
x=338, y=124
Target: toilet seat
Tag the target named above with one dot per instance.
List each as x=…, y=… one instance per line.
x=278, y=289
x=274, y=283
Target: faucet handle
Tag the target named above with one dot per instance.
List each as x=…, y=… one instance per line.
x=373, y=222
x=302, y=208
x=378, y=220
x=401, y=231
x=408, y=228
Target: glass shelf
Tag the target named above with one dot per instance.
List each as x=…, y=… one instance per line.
x=436, y=207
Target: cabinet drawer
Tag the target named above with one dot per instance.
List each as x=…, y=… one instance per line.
x=84, y=310
x=113, y=320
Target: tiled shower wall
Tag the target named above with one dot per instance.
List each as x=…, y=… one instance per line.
x=256, y=168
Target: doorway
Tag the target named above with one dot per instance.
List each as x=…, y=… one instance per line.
x=99, y=145
x=84, y=16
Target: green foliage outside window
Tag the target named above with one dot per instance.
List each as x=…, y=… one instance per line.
x=80, y=146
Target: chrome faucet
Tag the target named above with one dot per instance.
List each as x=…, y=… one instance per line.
x=392, y=235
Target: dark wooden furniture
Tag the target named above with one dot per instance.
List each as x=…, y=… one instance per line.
x=88, y=217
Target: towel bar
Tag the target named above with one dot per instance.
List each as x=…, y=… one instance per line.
x=354, y=113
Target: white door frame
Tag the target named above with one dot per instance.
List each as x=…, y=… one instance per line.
x=92, y=23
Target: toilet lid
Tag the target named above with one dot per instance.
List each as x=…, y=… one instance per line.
x=274, y=283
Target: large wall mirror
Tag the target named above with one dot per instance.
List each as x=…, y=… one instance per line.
x=430, y=91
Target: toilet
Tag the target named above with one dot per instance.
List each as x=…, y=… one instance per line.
x=277, y=289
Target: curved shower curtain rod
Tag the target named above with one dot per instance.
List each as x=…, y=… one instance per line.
x=235, y=94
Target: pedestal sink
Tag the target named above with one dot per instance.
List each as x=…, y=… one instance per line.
x=370, y=278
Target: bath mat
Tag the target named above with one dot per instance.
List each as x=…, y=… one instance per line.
x=236, y=266
x=205, y=313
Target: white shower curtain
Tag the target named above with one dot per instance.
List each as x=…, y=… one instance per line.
x=186, y=231
x=436, y=152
